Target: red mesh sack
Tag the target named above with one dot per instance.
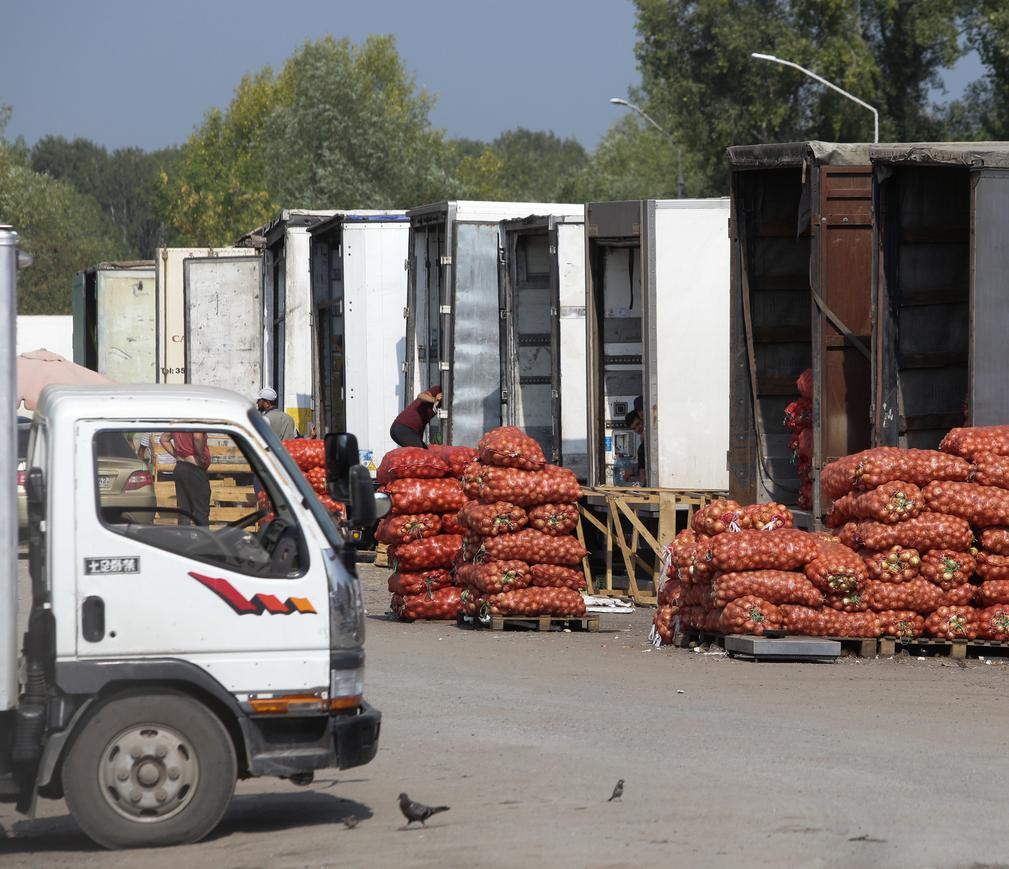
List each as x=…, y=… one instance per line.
x=425, y=496
x=902, y=624
x=995, y=540
x=664, y=622
x=918, y=595
x=693, y=617
x=554, y=519
x=421, y=582
x=749, y=615
x=896, y=564
x=983, y=506
x=403, y=529
x=450, y=524
x=804, y=445
x=859, y=624
x=838, y=477
x=924, y=532
x=947, y=568
x=804, y=383
x=534, y=547
x=991, y=470
x=763, y=550
x=490, y=520
x=509, y=447
x=317, y=480
x=836, y=570
x=993, y=623
x=953, y=623
x=495, y=577
x=558, y=576
x=799, y=414
x=697, y=595
x=720, y=516
x=338, y=510
x=891, y=503
x=457, y=458
x=670, y=591
x=540, y=601
x=425, y=554
x=410, y=463
x=307, y=453
x=441, y=604
x=960, y=595
x=768, y=517
x=803, y=621
x=774, y=586
x=712, y=620
x=994, y=591
x=552, y=485
x=991, y=567
x=848, y=602
x=968, y=442
x=921, y=467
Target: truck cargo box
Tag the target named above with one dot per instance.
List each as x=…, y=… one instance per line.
x=453, y=331
x=359, y=297
x=801, y=298
x=115, y=312
x=657, y=319
x=543, y=379
x=940, y=295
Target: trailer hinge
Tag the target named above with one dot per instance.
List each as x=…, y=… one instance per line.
x=444, y=366
x=503, y=313
x=444, y=309
x=504, y=396
x=406, y=313
x=502, y=260
x=407, y=264
x=554, y=394
x=732, y=229
x=403, y=367
x=553, y=249
x=446, y=260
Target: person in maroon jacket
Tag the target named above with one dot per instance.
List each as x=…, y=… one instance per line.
x=408, y=428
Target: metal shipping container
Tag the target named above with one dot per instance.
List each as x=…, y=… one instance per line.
x=359, y=292
x=114, y=308
x=543, y=383
x=209, y=317
x=941, y=289
x=801, y=298
x=453, y=332
x=287, y=292
x=657, y=326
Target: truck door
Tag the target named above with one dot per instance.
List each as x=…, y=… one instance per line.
x=245, y=601
x=126, y=318
x=224, y=323
x=530, y=370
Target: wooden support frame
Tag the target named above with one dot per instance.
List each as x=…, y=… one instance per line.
x=624, y=531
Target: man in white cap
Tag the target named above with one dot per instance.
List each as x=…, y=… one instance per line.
x=281, y=423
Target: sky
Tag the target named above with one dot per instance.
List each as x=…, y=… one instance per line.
x=143, y=73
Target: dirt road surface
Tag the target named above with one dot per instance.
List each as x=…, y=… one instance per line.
x=727, y=763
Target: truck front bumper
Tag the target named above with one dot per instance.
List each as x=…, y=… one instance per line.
x=310, y=743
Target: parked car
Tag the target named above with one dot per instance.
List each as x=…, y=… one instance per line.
x=126, y=488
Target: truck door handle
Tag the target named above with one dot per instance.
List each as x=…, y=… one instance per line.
x=93, y=619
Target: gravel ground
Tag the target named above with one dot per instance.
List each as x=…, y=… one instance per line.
x=726, y=763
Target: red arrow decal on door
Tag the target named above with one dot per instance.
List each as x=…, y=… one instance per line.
x=259, y=603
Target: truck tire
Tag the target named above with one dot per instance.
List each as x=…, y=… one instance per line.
x=149, y=769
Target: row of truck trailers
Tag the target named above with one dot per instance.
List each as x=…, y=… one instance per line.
x=883, y=268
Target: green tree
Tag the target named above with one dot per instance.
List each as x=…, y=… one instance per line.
x=699, y=80
x=64, y=230
x=522, y=165
x=125, y=183
x=985, y=106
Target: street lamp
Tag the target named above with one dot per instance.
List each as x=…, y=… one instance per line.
x=852, y=97
x=680, y=189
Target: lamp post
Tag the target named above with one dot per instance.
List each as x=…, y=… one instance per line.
x=822, y=80
x=680, y=188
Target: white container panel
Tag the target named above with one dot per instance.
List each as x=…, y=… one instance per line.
x=690, y=335
x=126, y=312
x=573, y=363
x=298, y=339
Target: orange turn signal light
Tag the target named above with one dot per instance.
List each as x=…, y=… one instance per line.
x=338, y=703
x=302, y=704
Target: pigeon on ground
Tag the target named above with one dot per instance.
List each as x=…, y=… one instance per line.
x=417, y=811
x=618, y=791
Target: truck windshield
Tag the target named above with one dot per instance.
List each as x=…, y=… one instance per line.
x=308, y=497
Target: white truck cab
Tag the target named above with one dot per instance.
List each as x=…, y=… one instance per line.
x=164, y=658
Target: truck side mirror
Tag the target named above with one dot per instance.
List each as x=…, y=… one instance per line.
x=361, y=508
x=35, y=493
x=341, y=456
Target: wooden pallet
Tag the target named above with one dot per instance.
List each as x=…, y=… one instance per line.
x=588, y=622
x=381, y=555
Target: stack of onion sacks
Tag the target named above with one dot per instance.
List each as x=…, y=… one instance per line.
x=519, y=555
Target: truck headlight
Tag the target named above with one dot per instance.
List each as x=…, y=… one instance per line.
x=346, y=606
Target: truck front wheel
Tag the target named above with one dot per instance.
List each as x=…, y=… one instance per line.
x=149, y=769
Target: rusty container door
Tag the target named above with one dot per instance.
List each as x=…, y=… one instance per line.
x=841, y=278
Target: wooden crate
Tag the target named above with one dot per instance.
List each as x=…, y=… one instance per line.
x=623, y=532
x=231, y=494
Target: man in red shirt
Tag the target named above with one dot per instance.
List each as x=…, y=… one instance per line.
x=192, y=485
x=408, y=428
